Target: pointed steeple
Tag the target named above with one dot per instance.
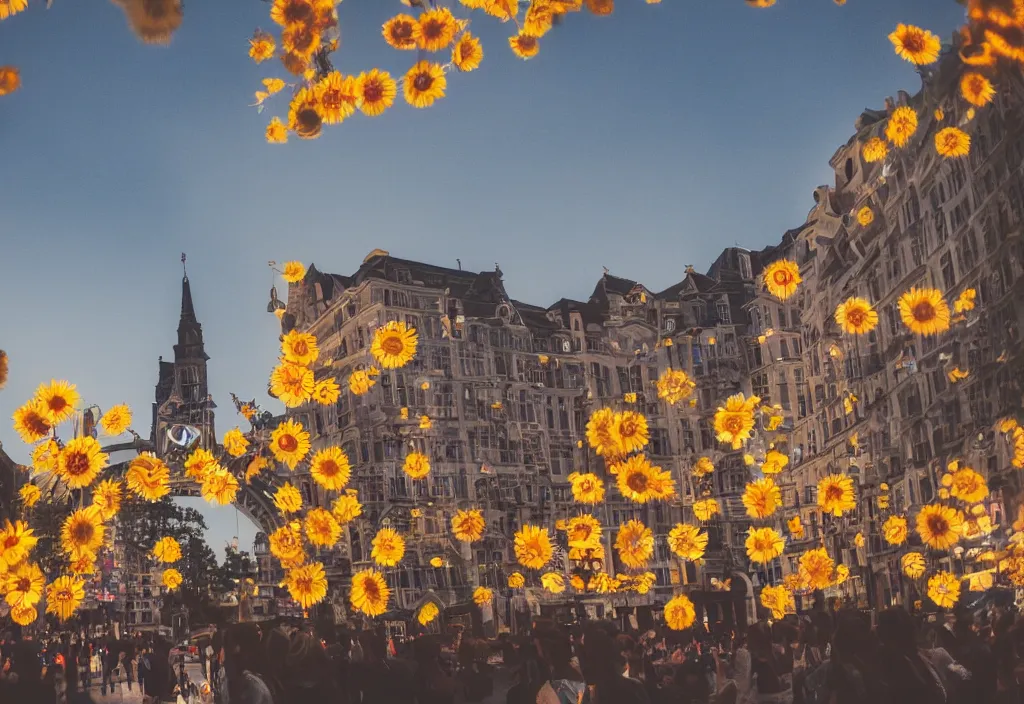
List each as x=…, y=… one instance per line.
x=190, y=332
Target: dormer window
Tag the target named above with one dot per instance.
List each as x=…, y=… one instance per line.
x=744, y=262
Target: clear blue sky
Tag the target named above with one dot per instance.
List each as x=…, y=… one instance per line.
x=643, y=142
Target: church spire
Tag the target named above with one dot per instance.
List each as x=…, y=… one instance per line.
x=190, y=332
x=188, y=311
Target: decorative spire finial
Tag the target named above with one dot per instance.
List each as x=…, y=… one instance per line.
x=184, y=271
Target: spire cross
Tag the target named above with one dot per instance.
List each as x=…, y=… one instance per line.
x=183, y=269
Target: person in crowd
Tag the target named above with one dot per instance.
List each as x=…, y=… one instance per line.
x=908, y=676
x=565, y=684
x=433, y=684
x=771, y=667
x=604, y=669
x=245, y=666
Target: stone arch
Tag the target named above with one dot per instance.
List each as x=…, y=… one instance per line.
x=747, y=592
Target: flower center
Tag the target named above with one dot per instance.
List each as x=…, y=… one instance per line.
x=628, y=428
x=37, y=424
x=781, y=277
x=370, y=587
x=401, y=32
x=637, y=482
x=527, y=43
x=855, y=317
x=297, y=12
x=83, y=532
x=923, y=311
x=372, y=92
x=432, y=29
x=57, y=404
x=10, y=541
x=833, y=493
x=938, y=525
x=913, y=42
x=299, y=347
x=423, y=81
x=329, y=468
x=288, y=443
x=23, y=585
x=77, y=464
x=308, y=120
x=733, y=424
x=393, y=344
x=63, y=595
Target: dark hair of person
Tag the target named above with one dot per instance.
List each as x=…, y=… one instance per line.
x=897, y=630
x=243, y=652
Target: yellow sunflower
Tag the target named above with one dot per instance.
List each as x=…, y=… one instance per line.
x=235, y=443
x=82, y=532
x=116, y=420
x=778, y=600
x=402, y=32
x=912, y=564
x=965, y=301
x=774, y=462
x=504, y=10
x=376, y=91
x=261, y=46
x=361, y=381
x=706, y=509
x=901, y=126
x=944, y=589
x=286, y=545
x=437, y=562
x=31, y=423
x=290, y=12
x=516, y=581
x=968, y=486
x=587, y=488
x=171, y=578
x=326, y=391
x=427, y=613
x=817, y=568
x=601, y=432
x=63, y=595
x=416, y=465
x=762, y=498
x=23, y=615
x=735, y=421
x=635, y=544
x=674, y=386
x=44, y=456
x=148, y=477
x=524, y=46
x=687, y=541
x=796, y=527
x=583, y=532
x=856, y=316
x=976, y=89
x=24, y=585
x=468, y=526
x=370, y=593
x=167, y=550
x=287, y=499
x=322, y=528
x=10, y=76
x=307, y=584
x=939, y=526
x=200, y=463
x=924, y=311
x=952, y=142
x=388, y=547
x=394, y=344
x=292, y=384
x=629, y=428
x=86, y=564
x=30, y=495
x=553, y=582
x=330, y=469
x=916, y=45
x=679, y=613
x=641, y=482
x=293, y=272
x=703, y=467
x=835, y=494
x=80, y=462
x=467, y=52
x=9, y=8
x=533, y=547
x=305, y=115
x=338, y=96
x=423, y=84
x=865, y=216
x=763, y=544
x=289, y=443
x=299, y=348
x=58, y=400
x=781, y=278
x=894, y=530
x=347, y=507
x=276, y=133
x=437, y=29
x=875, y=149
x=219, y=487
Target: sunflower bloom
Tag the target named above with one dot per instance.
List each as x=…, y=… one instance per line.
x=774, y=462
x=856, y=316
x=388, y=547
x=703, y=467
x=762, y=498
x=865, y=216
x=583, y=532
x=796, y=528
x=482, y=596
x=326, y=391
x=86, y=564
x=468, y=526
x=630, y=429
x=116, y=420
x=370, y=593
x=16, y=542
x=427, y=613
x=763, y=544
x=924, y=311
x=778, y=600
x=338, y=96
x=219, y=487
x=437, y=29
x=424, y=84
x=347, y=507
x=504, y=10
x=300, y=40
x=394, y=344
x=289, y=443
x=901, y=126
x=553, y=582
x=835, y=494
x=817, y=568
x=965, y=301
x=299, y=348
x=200, y=463
x=875, y=149
x=952, y=142
x=601, y=432
x=376, y=91
x=235, y=443
x=402, y=32
x=286, y=545
x=944, y=589
x=641, y=482
x=735, y=421
x=330, y=469
x=23, y=615
x=10, y=76
x=307, y=584
x=524, y=46
x=894, y=530
x=467, y=53
x=916, y=45
x=292, y=384
x=58, y=400
x=287, y=499
x=533, y=547
x=9, y=8
x=63, y=596
x=82, y=533
x=516, y=581
x=167, y=550
x=706, y=509
x=148, y=477
x=968, y=486
x=305, y=116
x=277, y=132
x=939, y=526
x=31, y=422
x=674, y=386
x=781, y=278
x=436, y=562
x=539, y=19
x=24, y=585
x=587, y=488
x=293, y=272
x=635, y=544
x=361, y=381
x=912, y=565
x=30, y=495
x=261, y=46
x=687, y=541
x=290, y=12
x=416, y=465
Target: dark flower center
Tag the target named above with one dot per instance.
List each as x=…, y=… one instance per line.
x=393, y=344
x=924, y=311
x=423, y=81
x=288, y=443
x=372, y=92
x=77, y=464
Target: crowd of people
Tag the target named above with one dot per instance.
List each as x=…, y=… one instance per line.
x=824, y=657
